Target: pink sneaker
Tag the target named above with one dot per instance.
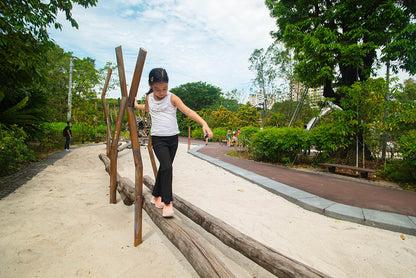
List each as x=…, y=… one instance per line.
x=168, y=210
x=157, y=201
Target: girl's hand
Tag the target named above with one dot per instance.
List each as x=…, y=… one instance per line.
x=208, y=131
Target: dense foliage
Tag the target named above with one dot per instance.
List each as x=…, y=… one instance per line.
x=337, y=43
x=14, y=150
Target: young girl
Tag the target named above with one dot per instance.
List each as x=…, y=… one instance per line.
x=162, y=106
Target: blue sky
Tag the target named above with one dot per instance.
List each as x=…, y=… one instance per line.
x=194, y=40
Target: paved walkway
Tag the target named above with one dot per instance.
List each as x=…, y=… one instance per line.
x=355, y=200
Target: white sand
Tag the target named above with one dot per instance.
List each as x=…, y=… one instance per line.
x=60, y=224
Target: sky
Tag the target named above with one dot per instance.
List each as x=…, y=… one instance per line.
x=194, y=40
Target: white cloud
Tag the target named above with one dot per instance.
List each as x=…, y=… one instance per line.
x=195, y=40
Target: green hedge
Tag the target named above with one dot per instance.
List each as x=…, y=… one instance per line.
x=279, y=144
x=13, y=149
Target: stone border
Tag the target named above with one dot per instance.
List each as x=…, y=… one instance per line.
x=374, y=218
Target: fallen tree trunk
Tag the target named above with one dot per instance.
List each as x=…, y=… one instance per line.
x=269, y=259
x=203, y=260
x=127, y=145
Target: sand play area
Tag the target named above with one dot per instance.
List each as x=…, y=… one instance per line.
x=60, y=224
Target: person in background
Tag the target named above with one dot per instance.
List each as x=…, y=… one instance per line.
x=162, y=106
x=68, y=135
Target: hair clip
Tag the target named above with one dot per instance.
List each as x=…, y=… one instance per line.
x=151, y=79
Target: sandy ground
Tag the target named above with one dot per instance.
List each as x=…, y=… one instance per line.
x=60, y=224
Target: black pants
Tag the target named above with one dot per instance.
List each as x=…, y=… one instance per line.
x=67, y=142
x=165, y=149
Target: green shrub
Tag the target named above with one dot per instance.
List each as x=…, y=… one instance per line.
x=246, y=133
x=279, y=144
x=407, y=148
x=333, y=134
x=13, y=149
x=220, y=133
x=197, y=133
x=404, y=171
x=52, y=137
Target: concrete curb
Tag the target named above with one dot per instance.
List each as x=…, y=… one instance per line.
x=379, y=219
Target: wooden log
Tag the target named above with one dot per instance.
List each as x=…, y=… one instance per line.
x=271, y=260
x=189, y=243
x=125, y=146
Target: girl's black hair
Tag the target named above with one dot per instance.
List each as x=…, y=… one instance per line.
x=157, y=75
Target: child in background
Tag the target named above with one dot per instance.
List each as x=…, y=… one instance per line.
x=162, y=106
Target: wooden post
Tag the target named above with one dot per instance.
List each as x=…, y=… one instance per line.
x=106, y=112
x=136, y=147
x=152, y=157
x=114, y=152
x=189, y=138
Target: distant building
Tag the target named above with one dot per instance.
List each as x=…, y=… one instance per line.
x=314, y=94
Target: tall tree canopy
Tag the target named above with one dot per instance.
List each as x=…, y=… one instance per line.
x=25, y=50
x=339, y=42
x=198, y=95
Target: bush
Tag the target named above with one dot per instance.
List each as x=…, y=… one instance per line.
x=333, y=134
x=404, y=171
x=13, y=149
x=279, y=144
x=246, y=133
x=220, y=133
x=407, y=148
x=52, y=137
x=197, y=133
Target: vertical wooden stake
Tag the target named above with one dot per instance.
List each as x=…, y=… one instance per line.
x=119, y=122
x=134, y=136
x=114, y=152
x=152, y=157
x=189, y=138
x=106, y=112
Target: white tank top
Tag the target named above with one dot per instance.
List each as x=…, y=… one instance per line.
x=163, y=115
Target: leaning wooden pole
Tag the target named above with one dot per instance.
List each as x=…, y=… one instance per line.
x=119, y=122
x=114, y=152
x=106, y=112
x=152, y=157
x=131, y=116
x=189, y=138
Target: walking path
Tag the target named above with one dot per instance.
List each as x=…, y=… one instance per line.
x=357, y=200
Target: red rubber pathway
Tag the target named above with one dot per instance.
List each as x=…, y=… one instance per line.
x=357, y=193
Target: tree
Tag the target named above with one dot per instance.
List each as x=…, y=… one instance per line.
x=33, y=17
x=336, y=42
x=197, y=95
x=409, y=92
x=24, y=48
x=262, y=65
x=57, y=84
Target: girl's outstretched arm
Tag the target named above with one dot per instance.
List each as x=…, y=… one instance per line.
x=176, y=101
x=142, y=107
